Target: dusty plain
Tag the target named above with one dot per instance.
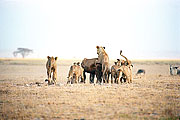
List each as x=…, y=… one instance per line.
x=25, y=95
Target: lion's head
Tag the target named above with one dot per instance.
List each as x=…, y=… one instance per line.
x=51, y=62
x=100, y=49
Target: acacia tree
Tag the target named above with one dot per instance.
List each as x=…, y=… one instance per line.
x=23, y=51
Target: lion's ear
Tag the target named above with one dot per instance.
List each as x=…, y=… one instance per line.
x=97, y=47
x=48, y=57
x=56, y=58
x=104, y=47
x=118, y=59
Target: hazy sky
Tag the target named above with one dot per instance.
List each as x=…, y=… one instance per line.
x=73, y=28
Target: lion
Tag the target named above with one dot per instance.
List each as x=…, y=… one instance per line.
x=51, y=67
x=125, y=69
x=103, y=59
x=71, y=76
x=124, y=73
x=75, y=73
x=114, y=72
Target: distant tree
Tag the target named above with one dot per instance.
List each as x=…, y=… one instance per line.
x=23, y=51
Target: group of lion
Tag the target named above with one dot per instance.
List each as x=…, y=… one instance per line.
x=99, y=67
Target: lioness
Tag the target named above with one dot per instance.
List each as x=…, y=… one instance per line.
x=75, y=73
x=125, y=69
x=103, y=59
x=51, y=67
x=124, y=73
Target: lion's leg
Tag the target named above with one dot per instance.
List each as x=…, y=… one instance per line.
x=70, y=76
x=104, y=77
x=128, y=79
x=118, y=80
x=54, y=76
x=49, y=76
x=76, y=79
x=112, y=76
x=69, y=80
x=79, y=79
x=82, y=78
x=131, y=76
x=115, y=78
x=119, y=77
x=121, y=80
x=127, y=74
x=108, y=77
x=105, y=73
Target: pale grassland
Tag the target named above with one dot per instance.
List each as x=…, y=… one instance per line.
x=153, y=96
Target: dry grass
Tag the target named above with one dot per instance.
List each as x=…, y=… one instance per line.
x=153, y=96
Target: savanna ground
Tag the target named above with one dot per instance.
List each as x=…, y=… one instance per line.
x=22, y=96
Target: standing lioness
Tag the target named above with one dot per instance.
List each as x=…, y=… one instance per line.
x=103, y=59
x=51, y=66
